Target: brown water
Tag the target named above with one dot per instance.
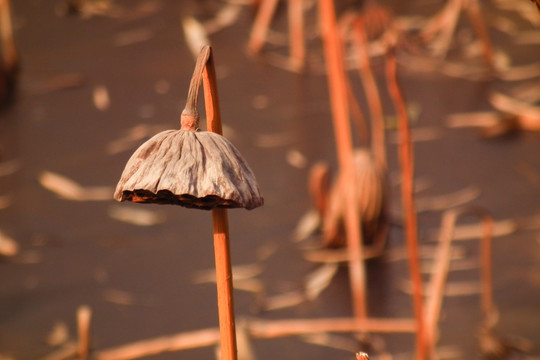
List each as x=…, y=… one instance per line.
x=74, y=253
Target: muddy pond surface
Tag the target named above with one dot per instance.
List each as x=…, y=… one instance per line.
x=94, y=88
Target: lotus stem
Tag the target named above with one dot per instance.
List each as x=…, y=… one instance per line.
x=333, y=50
x=407, y=194
x=262, y=21
x=372, y=93
x=84, y=314
x=224, y=277
x=296, y=33
x=6, y=28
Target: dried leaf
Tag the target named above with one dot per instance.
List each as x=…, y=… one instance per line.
x=274, y=140
x=67, y=351
x=319, y=280
x=240, y=272
x=443, y=202
x=101, y=97
x=456, y=265
x=58, y=335
x=8, y=246
x=476, y=231
x=141, y=217
x=195, y=35
x=522, y=72
x=133, y=37
x=284, y=300
x=308, y=225
x=121, y=297
x=528, y=115
x=332, y=341
x=225, y=17
x=296, y=159
x=70, y=190
x=9, y=167
x=474, y=119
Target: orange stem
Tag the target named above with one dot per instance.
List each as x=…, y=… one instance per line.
x=296, y=33
x=337, y=84
x=266, y=11
x=407, y=188
x=220, y=227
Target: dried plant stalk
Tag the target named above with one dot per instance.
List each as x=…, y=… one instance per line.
x=84, y=314
x=442, y=263
x=222, y=252
x=333, y=50
x=407, y=194
x=260, y=26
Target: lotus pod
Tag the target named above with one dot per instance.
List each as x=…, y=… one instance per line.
x=370, y=196
x=195, y=169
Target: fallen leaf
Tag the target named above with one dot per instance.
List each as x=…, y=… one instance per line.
x=58, y=335
x=443, y=202
x=332, y=341
x=141, y=217
x=274, y=140
x=133, y=37
x=70, y=190
x=319, y=280
x=476, y=231
x=240, y=272
x=101, y=97
x=195, y=35
x=121, y=297
x=8, y=246
x=474, y=119
x=307, y=226
x=284, y=300
x=225, y=17
x=296, y=159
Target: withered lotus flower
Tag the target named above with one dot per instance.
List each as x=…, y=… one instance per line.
x=189, y=167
